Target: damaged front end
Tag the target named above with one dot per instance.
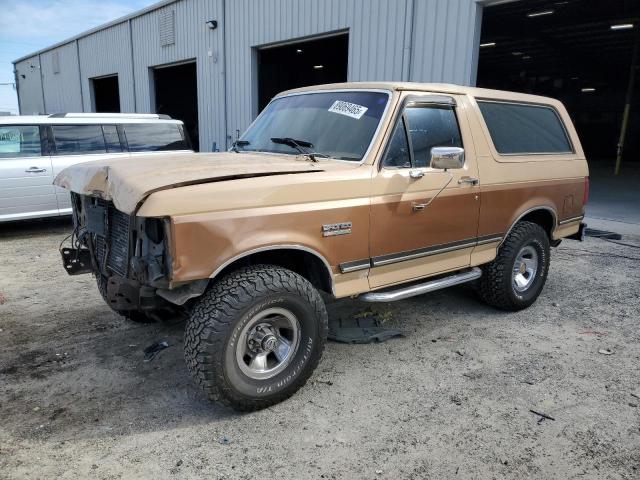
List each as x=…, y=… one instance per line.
x=131, y=254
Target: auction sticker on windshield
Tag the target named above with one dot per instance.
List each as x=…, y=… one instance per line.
x=352, y=110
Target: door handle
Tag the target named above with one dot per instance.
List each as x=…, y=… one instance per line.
x=418, y=207
x=415, y=174
x=35, y=170
x=468, y=180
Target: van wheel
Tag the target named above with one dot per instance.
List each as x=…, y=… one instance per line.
x=255, y=337
x=516, y=277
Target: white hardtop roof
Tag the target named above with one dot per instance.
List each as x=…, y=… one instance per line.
x=86, y=118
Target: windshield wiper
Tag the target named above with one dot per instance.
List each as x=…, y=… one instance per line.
x=299, y=145
x=239, y=143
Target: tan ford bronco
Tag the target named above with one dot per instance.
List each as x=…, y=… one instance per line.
x=379, y=191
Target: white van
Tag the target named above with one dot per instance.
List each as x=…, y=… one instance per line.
x=33, y=149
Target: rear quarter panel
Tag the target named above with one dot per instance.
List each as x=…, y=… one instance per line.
x=512, y=185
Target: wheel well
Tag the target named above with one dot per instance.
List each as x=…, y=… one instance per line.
x=304, y=263
x=542, y=217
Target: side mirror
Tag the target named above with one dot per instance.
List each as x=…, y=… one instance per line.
x=447, y=157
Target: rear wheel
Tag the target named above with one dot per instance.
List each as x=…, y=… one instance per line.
x=255, y=337
x=514, y=280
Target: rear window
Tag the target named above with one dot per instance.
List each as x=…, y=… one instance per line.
x=19, y=141
x=78, y=139
x=146, y=137
x=524, y=129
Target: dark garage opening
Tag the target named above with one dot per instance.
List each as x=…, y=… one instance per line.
x=578, y=51
x=106, y=94
x=176, y=95
x=300, y=64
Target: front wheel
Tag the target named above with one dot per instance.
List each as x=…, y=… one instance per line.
x=255, y=337
x=514, y=280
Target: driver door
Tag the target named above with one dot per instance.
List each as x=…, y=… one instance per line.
x=424, y=221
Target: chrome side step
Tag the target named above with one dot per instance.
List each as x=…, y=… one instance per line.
x=431, y=286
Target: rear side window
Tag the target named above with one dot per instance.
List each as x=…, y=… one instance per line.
x=147, y=137
x=78, y=139
x=20, y=141
x=525, y=129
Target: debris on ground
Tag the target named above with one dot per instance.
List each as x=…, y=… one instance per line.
x=178, y=463
x=363, y=327
x=224, y=440
x=3, y=299
x=152, y=350
x=605, y=351
x=595, y=333
x=543, y=416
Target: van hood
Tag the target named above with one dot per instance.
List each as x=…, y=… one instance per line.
x=127, y=181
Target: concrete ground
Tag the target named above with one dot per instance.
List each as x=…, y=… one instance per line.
x=450, y=399
x=614, y=203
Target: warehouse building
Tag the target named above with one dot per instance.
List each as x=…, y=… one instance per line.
x=216, y=63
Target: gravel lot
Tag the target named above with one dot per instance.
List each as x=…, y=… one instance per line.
x=451, y=399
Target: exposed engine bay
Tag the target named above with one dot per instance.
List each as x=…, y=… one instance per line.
x=129, y=252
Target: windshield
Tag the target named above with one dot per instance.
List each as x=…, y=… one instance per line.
x=334, y=124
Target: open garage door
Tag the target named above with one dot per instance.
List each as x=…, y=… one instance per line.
x=300, y=64
x=578, y=51
x=176, y=95
x=106, y=94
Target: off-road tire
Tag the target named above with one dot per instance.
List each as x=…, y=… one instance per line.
x=213, y=331
x=133, y=315
x=495, y=287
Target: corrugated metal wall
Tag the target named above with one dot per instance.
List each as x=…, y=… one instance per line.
x=29, y=86
x=417, y=40
x=194, y=40
x=62, y=92
x=108, y=52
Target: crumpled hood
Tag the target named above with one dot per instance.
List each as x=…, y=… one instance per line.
x=128, y=180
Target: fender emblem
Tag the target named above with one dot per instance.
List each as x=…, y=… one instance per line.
x=333, y=229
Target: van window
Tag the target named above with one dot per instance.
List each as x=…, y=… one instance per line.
x=111, y=138
x=20, y=141
x=524, y=129
x=431, y=127
x=78, y=139
x=146, y=137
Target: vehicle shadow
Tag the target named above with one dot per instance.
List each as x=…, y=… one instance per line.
x=35, y=227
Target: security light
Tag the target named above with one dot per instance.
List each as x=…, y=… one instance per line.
x=213, y=24
x=622, y=26
x=540, y=14
x=318, y=67
x=488, y=44
x=588, y=90
x=298, y=51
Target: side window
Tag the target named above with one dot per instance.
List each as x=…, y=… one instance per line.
x=147, y=137
x=431, y=127
x=111, y=138
x=397, y=154
x=20, y=141
x=78, y=139
x=524, y=129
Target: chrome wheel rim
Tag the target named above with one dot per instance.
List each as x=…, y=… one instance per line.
x=525, y=268
x=268, y=343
